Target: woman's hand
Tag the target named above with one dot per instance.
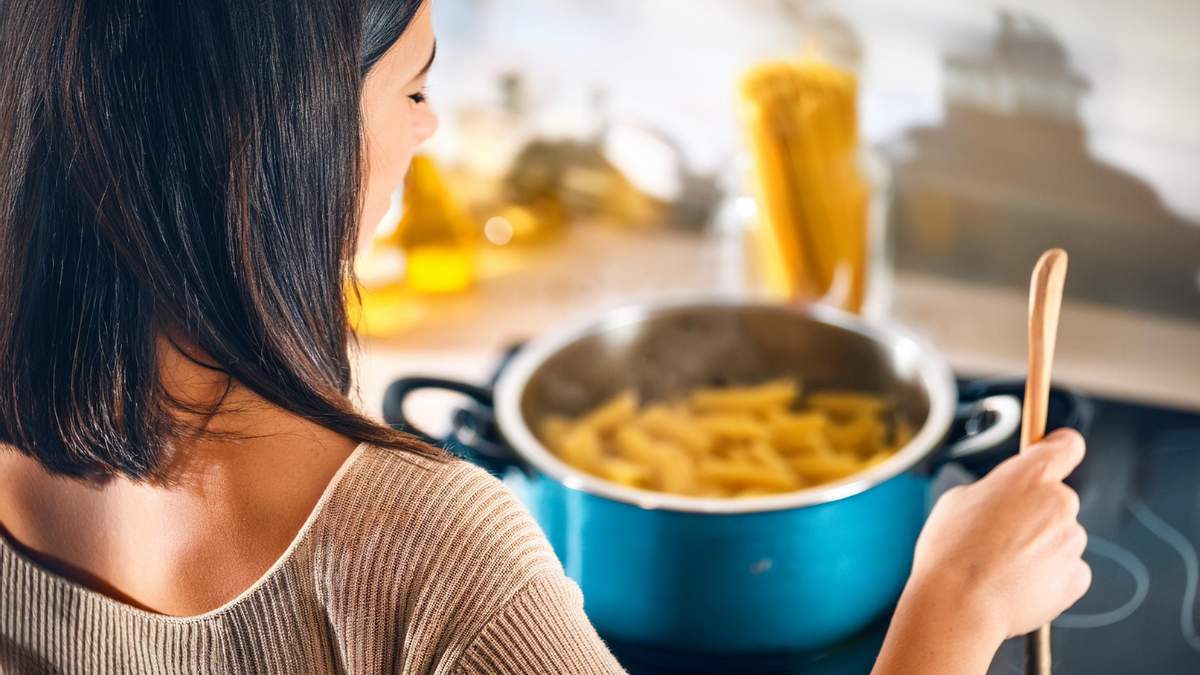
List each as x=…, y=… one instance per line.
x=996, y=559
x=1011, y=542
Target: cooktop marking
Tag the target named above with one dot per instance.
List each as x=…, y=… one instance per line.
x=1176, y=540
x=1141, y=579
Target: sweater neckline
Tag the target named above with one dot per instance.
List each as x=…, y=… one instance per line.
x=47, y=576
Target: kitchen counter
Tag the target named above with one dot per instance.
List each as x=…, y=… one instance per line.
x=1101, y=351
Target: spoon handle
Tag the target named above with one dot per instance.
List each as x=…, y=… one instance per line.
x=1045, y=301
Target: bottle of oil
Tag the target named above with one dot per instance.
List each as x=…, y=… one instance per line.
x=437, y=237
x=429, y=250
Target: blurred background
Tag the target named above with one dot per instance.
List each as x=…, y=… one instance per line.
x=906, y=160
x=593, y=154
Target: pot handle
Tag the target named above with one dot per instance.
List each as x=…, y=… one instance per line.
x=1005, y=414
x=985, y=426
x=474, y=434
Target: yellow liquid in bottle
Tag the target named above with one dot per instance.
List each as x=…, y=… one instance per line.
x=431, y=250
x=435, y=233
x=437, y=268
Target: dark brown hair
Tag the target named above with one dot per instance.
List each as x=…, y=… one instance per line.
x=178, y=168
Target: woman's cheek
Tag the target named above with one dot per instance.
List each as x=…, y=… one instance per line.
x=389, y=159
x=375, y=206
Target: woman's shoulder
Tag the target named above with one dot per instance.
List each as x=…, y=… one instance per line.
x=427, y=532
x=435, y=564
x=431, y=503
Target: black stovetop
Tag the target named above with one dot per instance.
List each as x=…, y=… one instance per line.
x=1139, y=489
x=1140, y=494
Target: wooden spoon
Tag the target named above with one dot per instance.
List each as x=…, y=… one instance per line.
x=1045, y=301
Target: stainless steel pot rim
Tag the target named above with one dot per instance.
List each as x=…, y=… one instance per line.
x=932, y=370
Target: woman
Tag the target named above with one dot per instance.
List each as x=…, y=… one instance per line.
x=187, y=486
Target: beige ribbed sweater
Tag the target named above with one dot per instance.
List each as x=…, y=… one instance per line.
x=406, y=565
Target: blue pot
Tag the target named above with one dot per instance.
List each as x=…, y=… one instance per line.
x=775, y=574
x=763, y=582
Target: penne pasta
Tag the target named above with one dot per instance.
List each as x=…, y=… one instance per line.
x=734, y=442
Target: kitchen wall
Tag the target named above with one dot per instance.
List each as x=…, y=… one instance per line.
x=1011, y=126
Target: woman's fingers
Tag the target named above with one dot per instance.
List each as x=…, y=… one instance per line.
x=1075, y=541
x=1080, y=582
x=1058, y=454
x=1067, y=501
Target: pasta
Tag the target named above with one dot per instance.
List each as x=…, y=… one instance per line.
x=730, y=442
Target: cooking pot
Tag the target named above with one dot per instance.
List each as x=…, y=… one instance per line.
x=772, y=574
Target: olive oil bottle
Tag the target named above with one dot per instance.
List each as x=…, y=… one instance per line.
x=430, y=250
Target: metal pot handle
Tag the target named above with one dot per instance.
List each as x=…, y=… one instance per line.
x=474, y=434
x=981, y=429
x=1005, y=414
